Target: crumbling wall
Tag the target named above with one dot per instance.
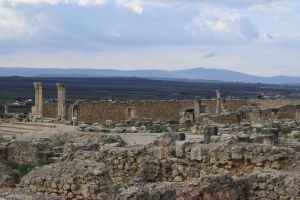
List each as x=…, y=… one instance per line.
x=232, y=118
x=217, y=187
x=266, y=104
x=23, y=152
x=73, y=180
x=288, y=112
x=186, y=160
x=26, y=109
x=50, y=110
x=2, y=111
x=284, y=112
x=232, y=105
x=8, y=177
x=100, y=111
x=259, y=185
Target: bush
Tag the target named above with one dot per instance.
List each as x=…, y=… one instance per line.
x=110, y=140
x=23, y=169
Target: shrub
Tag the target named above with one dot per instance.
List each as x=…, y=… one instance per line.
x=23, y=169
x=110, y=139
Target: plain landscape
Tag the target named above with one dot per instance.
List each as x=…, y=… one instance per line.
x=132, y=88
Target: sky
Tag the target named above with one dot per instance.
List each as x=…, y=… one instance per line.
x=259, y=37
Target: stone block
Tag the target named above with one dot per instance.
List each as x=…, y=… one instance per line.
x=180, y=148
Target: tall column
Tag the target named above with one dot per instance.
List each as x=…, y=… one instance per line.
x=298, y=116
x=61, y=101
x=218, y=105
x=5, y=109
x=197, y=106
x=38, y=101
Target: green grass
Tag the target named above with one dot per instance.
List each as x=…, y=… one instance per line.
x=5, y=100
x=297, y=137
x=23, y=169
x=110, y=140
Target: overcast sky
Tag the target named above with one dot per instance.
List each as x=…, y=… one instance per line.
x=260, y=37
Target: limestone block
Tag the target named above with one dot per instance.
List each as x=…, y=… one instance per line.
x=180, y=148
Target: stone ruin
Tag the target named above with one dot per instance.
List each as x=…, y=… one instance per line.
x=157, y=150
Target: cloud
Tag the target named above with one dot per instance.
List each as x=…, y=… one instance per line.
x=134, y=5
x=99, y=31
x=210, y=55
x=13, y=25
x=221, y=25
x=55, y=2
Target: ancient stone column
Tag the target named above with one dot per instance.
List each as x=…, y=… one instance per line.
x=197, y=106
x=5, y=109
x=298, y=116
x=61, y=101
x=38, y=102
x=218, y=105
x=75, y=114
x=209, y=131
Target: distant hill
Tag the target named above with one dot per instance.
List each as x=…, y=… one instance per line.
x=193, y=74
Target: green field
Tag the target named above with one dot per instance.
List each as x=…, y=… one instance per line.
x=12, y=88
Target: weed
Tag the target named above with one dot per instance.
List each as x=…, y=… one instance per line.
x=23, y=169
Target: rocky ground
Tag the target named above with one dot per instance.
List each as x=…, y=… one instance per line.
x=150, y=159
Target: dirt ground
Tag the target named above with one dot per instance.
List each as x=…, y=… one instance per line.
x=30, y=130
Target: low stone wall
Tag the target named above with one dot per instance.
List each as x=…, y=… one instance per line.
x=267, y=104
x=274, y=185
x=225, y=118
x=73, y=180
x=2, y=111
x=214, y=187
x=185, y=160
x=100, y=111
x=8, y=177
x=26, y=109
x=50, y=110
x=23, y=152
x=90, y=180
x=260, y=185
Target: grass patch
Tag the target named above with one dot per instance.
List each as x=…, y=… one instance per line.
x=23, y=169
x=58, y=143
x=297, y=137
x=110, y=140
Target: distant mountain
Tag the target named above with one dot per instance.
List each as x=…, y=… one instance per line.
x=191, y=74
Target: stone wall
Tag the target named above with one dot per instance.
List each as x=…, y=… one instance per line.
x=8, y=177
x=50, y=110
x=185, y=160
x=261, y=185
x=233, y=105
x=2, y=111
x=26, y=109
x=23, y=152
x=213, y=187
x=266, y=104
x=169, y=168
x=158, y=172
x=73, y=180
x=288, y=112
x=100, y=111
x=232, y=118
x=284, y=112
